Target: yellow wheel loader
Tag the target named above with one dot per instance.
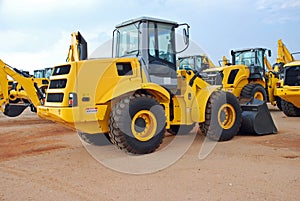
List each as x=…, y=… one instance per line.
x=249, y=76
x=134, y=97
x=245, y=77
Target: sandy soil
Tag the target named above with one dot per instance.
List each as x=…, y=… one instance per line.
x=41, y=160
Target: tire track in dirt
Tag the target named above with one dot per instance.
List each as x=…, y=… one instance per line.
x=30, y=135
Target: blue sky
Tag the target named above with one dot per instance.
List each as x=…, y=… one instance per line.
x=36, y=34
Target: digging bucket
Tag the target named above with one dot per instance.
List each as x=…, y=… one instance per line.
x=12, y=110
x=256, y=118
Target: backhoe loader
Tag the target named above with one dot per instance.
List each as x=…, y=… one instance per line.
x=17, y=95
x=288, y=87
x=43, y=73
x=139, y=93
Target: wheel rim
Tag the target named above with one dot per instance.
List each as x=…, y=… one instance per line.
x=143, y=125
x=259, y=95
x=226, y=116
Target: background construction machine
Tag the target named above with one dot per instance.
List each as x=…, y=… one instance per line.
x=245, y=77
x=23, y=91
x=195, y=62
x=43, y=73
x=138, y=94
x=288, y=88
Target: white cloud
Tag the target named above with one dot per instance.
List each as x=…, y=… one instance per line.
x=279, y=11
x=30, y=60
x=276, y=5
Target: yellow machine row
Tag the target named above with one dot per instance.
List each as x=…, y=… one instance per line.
x=138, y=94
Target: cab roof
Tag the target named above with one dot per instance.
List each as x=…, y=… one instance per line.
x=143, y=19
x=249, y=49
x=293, y=63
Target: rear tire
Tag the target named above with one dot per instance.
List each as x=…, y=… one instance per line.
x=95, y=139
x=180, y=129
x=222, y=117
x=253, y=90
x=278, y=103
x=289, y=109
x=137, y=124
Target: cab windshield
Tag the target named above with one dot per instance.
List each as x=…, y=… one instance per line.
x=128, y=41
x=245, y=58
x=190, y=63
x=249, y=58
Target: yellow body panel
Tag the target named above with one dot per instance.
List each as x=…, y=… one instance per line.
x=98, y=86
x=290, y=94
x=241, y=79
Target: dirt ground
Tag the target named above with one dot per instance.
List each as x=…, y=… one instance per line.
x=41, y=160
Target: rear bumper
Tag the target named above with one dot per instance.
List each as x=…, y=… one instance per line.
x=73, y=118
x=59, y=115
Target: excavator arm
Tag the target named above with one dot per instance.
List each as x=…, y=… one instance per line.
x=27, y=90
x=283, y=54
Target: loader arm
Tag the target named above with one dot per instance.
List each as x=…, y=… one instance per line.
x=267, y=64
x=78, y=48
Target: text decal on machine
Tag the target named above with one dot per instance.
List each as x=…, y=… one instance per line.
x=91, y=110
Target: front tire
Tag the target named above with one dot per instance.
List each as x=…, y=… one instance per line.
x=253, y=90
x=137, y=124
x=222, y=117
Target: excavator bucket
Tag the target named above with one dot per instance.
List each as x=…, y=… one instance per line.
x=13, y=110
x=256, y=118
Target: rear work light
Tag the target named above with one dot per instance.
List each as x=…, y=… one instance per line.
x=73, y=101
x=278, y=84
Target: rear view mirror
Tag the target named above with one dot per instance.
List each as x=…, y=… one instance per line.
x=186, y=36
x=269, y=53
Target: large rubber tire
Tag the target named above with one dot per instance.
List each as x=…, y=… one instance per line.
x=253, y=90
x=289, y=109
x=222, y=117
x=95, y=139
x=137, y=124
x=180, y=129
x=278, y=103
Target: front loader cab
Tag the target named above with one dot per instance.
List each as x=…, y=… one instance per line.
x=254, y=59
x=153, y=42
x=197, y=63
